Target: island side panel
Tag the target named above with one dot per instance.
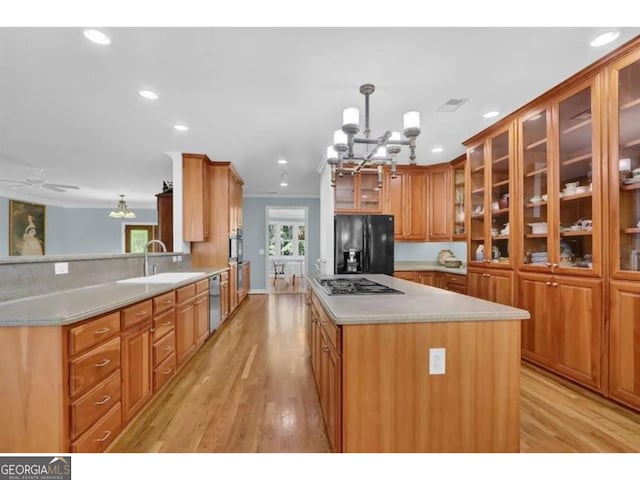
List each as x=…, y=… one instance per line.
x=31, y=390
x=392, y=404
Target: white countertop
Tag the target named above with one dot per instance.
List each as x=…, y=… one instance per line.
x=70, y=306
x=419, y=303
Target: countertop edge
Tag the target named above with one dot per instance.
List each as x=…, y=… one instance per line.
x=155, y=289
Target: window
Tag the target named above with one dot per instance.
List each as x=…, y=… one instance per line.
x=287, y=239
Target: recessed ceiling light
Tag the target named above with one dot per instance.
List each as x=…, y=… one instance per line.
x=96, y=36
x=437, y=149
x=283, y=184
x=148, y=94
x=283, y=179
x=491, y=114
x=180, y=127
x=282, y=161
x=604, y=38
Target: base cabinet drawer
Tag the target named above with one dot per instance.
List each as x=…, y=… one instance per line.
x=95, y=404
x=101, y=434
x=164, y=348
x=163, y=324
x=89, y=369
x=164, y=372
x=91, y=333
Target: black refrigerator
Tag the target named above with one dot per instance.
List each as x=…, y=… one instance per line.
x=363, y=244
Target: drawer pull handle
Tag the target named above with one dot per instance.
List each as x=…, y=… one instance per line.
x=167, y=372
x=141, y=314
x=103, y=363
x=104, y=400
x=102, y=330
x=548, y=284
x=167, y=348
x=167, y=323
x=325, y=349
x=168, y=302
x=107, y=434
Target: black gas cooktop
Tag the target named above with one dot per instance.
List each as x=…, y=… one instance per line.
x=353, y=286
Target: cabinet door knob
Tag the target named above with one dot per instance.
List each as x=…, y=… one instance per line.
x=325, y=349
x=554, y=265
x=555, y=284
x=548, y=264
x=548, y=284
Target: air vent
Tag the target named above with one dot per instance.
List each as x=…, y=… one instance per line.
x=452, y=104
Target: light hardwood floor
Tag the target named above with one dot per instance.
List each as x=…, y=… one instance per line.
x=251, y=389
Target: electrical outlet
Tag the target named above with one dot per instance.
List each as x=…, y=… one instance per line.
x=437, y=361
x=176, y=258
x=61, y=268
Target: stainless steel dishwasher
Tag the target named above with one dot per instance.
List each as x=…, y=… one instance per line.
x=214, y=303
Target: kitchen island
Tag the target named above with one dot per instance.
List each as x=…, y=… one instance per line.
x=381, y=392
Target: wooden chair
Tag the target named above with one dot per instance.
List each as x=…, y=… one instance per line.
x=278, y=270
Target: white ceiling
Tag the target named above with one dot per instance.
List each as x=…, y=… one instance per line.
x=252, y=96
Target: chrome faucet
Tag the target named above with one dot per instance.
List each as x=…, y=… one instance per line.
x=146, y=254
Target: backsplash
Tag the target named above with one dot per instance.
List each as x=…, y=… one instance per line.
x=415, y=252
x=30, y=278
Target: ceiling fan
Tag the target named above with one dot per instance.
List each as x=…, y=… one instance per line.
x=37, y=181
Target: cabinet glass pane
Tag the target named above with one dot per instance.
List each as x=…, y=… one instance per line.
x=575, y=198
x=369, y=191
x=534, y=194
x=500, y=198
x=629, y=166
x=345, y=195
x=476, y=179
x=458, y=211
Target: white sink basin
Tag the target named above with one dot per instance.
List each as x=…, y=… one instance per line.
x=168, y=277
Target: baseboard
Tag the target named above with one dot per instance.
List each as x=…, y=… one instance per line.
x=257, y=291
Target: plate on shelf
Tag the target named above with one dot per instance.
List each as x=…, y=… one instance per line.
x=630, y=181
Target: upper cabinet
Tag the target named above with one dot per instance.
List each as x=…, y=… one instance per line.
x=235, y=202
x=459, y=231
x=489, y=190
x=439, y=203
x=195, y=200
x=624, y=166
x=559, y=154
x=358, y=193
x=406, y=200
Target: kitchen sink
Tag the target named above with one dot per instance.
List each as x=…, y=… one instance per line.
x=167, y=277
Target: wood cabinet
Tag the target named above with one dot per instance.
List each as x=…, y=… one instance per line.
x=624, y=158
x=235, y=202
x=493, y=285
x=224, y=296
x=358, y=193
x=446, y=281
x=201, y=312
x=559, y=147
x=624, y=347
x=246, y=281
x=185, y=329
x=165, y=219
x=225, y=193
x=233, y=286
x=406, y=200
x=426, y=278
x=412, y=275
x=490, y=185
x=458, y=227
x=439, y=202
x=566, y=327
x=195, y=197
x=137, y=380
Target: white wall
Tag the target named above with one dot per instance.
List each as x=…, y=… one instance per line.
x=326, y=221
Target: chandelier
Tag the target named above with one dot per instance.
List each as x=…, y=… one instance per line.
x=379, y=151
x=122, y=211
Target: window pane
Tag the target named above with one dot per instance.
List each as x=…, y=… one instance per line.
x=138, y=239
x=301, y=232
x=301, y=249
x=286, y=247
x=286, y=232
x=272, y=240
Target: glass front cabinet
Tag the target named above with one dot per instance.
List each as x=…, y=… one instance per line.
x=489, y=174
x=624, y=172
x=560, y=184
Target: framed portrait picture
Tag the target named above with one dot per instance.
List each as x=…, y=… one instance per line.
x=26, y=228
